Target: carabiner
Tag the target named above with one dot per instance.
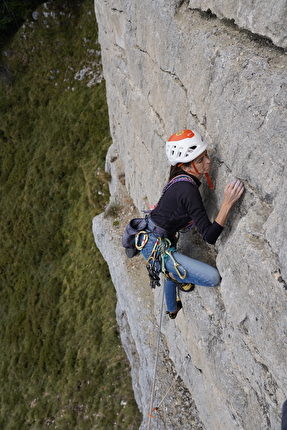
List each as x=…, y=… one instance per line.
x=176, y=265
x=144, y=241
x=150, y=261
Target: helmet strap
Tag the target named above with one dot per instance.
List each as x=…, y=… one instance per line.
x=196, y=171
x=206, y=175
x=209, y=181
x=194, y=166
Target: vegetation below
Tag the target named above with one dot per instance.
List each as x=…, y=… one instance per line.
x=61, y=361
x=13, y=13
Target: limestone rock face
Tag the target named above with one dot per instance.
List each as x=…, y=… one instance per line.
x=167, y=67
x=267, y=19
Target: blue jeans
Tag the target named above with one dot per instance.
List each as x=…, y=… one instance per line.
x=196, y=272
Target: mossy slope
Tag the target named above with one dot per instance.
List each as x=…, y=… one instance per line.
x=61, y=361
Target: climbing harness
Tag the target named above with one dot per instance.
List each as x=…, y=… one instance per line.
x=155, y=265
x=156, y=261
x=137, y=226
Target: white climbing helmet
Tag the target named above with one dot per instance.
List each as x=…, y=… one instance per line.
x=184, y=146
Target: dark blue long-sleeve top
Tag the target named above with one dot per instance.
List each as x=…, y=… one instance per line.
x=180, y=204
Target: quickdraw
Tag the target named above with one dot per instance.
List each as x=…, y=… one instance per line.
x=154, y=263
x=149, y=413
x=176, y=265
x=156, y=408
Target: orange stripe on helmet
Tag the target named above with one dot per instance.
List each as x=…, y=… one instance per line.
x=180, y=135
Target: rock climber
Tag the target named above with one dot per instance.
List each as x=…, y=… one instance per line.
x=181, y=205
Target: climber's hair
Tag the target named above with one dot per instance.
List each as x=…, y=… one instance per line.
x=176, y=170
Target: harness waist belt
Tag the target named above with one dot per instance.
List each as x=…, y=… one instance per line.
x=151, y=226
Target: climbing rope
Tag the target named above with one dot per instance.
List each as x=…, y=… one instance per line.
x=162, y=250
x=156, y=361
x=186, y=360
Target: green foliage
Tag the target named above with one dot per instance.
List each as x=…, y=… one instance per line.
x=13, y=12
x=61, y=360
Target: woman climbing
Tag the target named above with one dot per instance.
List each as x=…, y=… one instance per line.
x=180, y=206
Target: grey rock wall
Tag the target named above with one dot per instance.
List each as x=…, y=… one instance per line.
x=265, y=18
x=167, y=67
